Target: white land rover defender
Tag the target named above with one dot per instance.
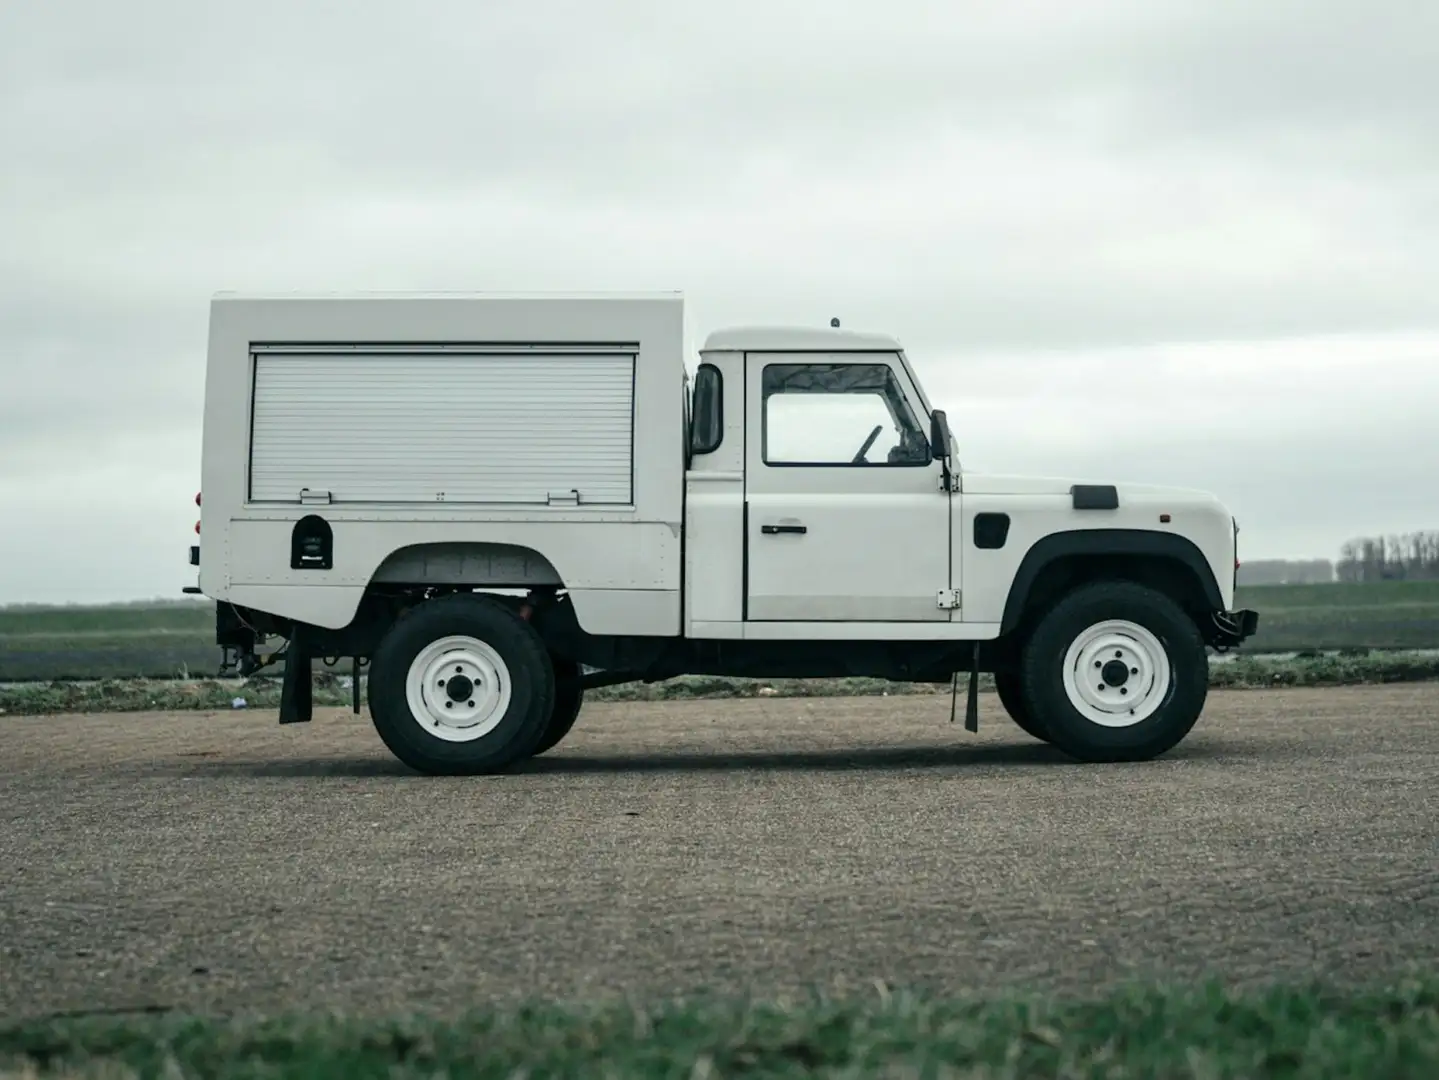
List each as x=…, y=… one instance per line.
x=493, y=502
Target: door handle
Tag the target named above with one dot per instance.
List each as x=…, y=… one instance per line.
x=771, y=530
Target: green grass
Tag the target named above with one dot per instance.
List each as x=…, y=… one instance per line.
x=1200, y=1032
x=144, y=640
x=164, y=640
x=1388, y=614
x=142, y=695
x=192, y=616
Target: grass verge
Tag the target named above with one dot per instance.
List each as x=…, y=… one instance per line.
x=133, y=695
x=1204, y=1031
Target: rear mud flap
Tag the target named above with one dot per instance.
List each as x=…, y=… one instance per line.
x=297, y=689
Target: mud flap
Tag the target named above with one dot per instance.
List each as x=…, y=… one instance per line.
x=971, y=697
x=297, y=689
x=971, y=705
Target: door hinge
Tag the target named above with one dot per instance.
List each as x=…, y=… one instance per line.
x=948, y=599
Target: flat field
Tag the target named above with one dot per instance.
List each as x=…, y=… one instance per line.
x=217, y=859
x=773, y=848
x=169, y=640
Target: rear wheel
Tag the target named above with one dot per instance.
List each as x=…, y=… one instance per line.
x=461, y=685
x=1115, y=672
x=569, y=697
x=1010, y=689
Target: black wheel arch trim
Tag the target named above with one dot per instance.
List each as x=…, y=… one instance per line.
x=1062, y=545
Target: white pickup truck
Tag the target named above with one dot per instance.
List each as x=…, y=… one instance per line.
x=492, y=502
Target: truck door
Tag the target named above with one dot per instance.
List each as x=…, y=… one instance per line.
x=846, y=518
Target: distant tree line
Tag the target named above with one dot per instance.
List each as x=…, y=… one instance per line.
x=1404, y=557
x=1286, y=572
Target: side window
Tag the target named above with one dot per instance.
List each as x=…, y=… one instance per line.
x=707, y=424
x=839, y=414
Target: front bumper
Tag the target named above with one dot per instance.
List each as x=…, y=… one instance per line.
x=1232, y=627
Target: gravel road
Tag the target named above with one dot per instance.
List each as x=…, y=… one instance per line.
x=217, y=861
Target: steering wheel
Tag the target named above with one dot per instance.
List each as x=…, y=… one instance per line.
x=859, y=457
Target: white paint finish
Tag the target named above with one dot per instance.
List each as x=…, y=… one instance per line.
x=771, y=339
x=331, y=606
x=878, y=549
x=722, y=631
x=987, y=573
x=1005, y=484
x=877, y=545
x=714, y=510
x=482, y=674
x=865, y=631
x=638, y=612
x=638, y=557
x=1144, y=673
x=714, y=551
x=451, y=427
x=602, y=551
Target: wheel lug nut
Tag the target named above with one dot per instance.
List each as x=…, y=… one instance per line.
x=1122, y=690
x=1101, y=686
x=1134, y=671
x=471, y=704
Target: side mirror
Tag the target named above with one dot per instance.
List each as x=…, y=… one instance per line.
x=940, y=444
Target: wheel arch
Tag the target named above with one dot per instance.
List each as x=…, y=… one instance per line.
x=468, y=563
x=1056, y=563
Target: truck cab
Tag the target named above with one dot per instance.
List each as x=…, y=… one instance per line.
x=496, y=503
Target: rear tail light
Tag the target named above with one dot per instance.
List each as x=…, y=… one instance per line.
x=197, y=498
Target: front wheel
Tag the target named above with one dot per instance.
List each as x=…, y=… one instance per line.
x=1011, y=695
x=1115, y=672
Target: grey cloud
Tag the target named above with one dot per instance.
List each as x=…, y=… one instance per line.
x=981, y=179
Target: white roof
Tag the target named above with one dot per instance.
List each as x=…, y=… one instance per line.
x=461, y=294
x=796, y=339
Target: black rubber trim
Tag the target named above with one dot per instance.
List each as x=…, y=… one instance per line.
x=312, y=527
x=1105, y=542
x=744, y=564
x=1095, y=496
x=718, y=440
x=297, y=687
x=991, y=530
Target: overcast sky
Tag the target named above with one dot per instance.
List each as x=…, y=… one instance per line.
x=1184, y=241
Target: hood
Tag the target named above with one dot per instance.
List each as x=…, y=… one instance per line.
x=1004, y=484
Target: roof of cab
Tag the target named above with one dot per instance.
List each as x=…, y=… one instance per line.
x=796, y=339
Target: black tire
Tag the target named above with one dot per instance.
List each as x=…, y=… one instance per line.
x=527, y=664
x=1178, y=708
x=1010, y=689
x=569, y=697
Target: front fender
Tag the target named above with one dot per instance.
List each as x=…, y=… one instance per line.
x=1112, y=546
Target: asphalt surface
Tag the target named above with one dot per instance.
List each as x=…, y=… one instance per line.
x=217, y=861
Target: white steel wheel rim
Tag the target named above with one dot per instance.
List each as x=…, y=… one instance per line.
x=458, y=689
x=1092, y=675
